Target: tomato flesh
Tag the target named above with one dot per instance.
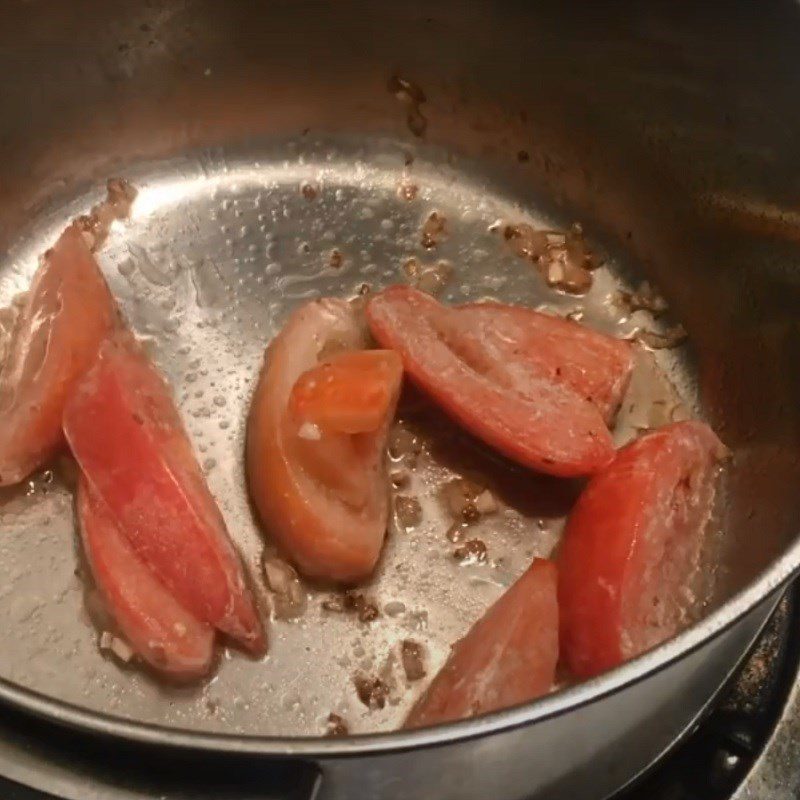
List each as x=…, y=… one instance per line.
x=68, y=312
x=508, y=657
x=165, y=635
x=631, y=545
x=492, y=389
x=596, y=366
x=348, y=393
x=130, y=443
x=315, y=448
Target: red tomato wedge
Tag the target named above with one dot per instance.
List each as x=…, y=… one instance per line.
x=128, y=438
x=160, y=630
x=596, y=366
x=631, y=544
x=316, y=438
x=493, y=389
x=508, y=657
x=68, y=312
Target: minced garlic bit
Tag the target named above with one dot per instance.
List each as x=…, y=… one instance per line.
x=562, y=258
x=119, y=647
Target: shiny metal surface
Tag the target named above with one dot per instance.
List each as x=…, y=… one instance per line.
x=678, y=162
x=218, y=249
x=518, y=763
x=64, y=763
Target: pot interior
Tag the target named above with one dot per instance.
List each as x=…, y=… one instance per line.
x=262, y=144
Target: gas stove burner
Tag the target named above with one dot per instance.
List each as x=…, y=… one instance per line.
x=745, y=748
x=730, y=752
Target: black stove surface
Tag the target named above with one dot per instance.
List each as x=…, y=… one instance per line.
x=727, y=754
x=746, y=748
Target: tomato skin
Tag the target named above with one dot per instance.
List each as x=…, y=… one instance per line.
x=68, y=312
x=630, y=545
x=165, y=635
x=324, y=499
x=508, y=657
x=596, y=366
x=127, y=436
x=511, y=403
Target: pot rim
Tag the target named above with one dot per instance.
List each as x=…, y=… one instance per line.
x=90, y=722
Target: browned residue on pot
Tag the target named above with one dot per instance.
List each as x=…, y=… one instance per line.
x=434, y=229
x=97, y=223
x=372, y=692
x=412, y=97
x=352, y=602
x=412, y=660
x=562, y=257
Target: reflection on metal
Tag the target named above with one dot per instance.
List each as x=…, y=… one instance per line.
x=752, y=215
x=215, y=254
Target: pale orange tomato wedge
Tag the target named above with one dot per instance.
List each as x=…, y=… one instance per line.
x=164, y=635
x=128, y=439
x=348, y=393
x=316, y=438
x=508, y=657
x=68, y=312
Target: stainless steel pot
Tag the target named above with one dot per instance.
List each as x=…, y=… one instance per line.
x=671, y=134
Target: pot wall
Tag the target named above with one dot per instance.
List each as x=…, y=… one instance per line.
x=584, y=754
x=658, y=125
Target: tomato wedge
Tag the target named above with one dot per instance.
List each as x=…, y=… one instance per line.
x=493, y=389
x=316, y=437
x=596, y=366
x=160, y=630
x=128, y=439
x=631, y=544
x=68, y=312
x=508, y=657
x=350, y=392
